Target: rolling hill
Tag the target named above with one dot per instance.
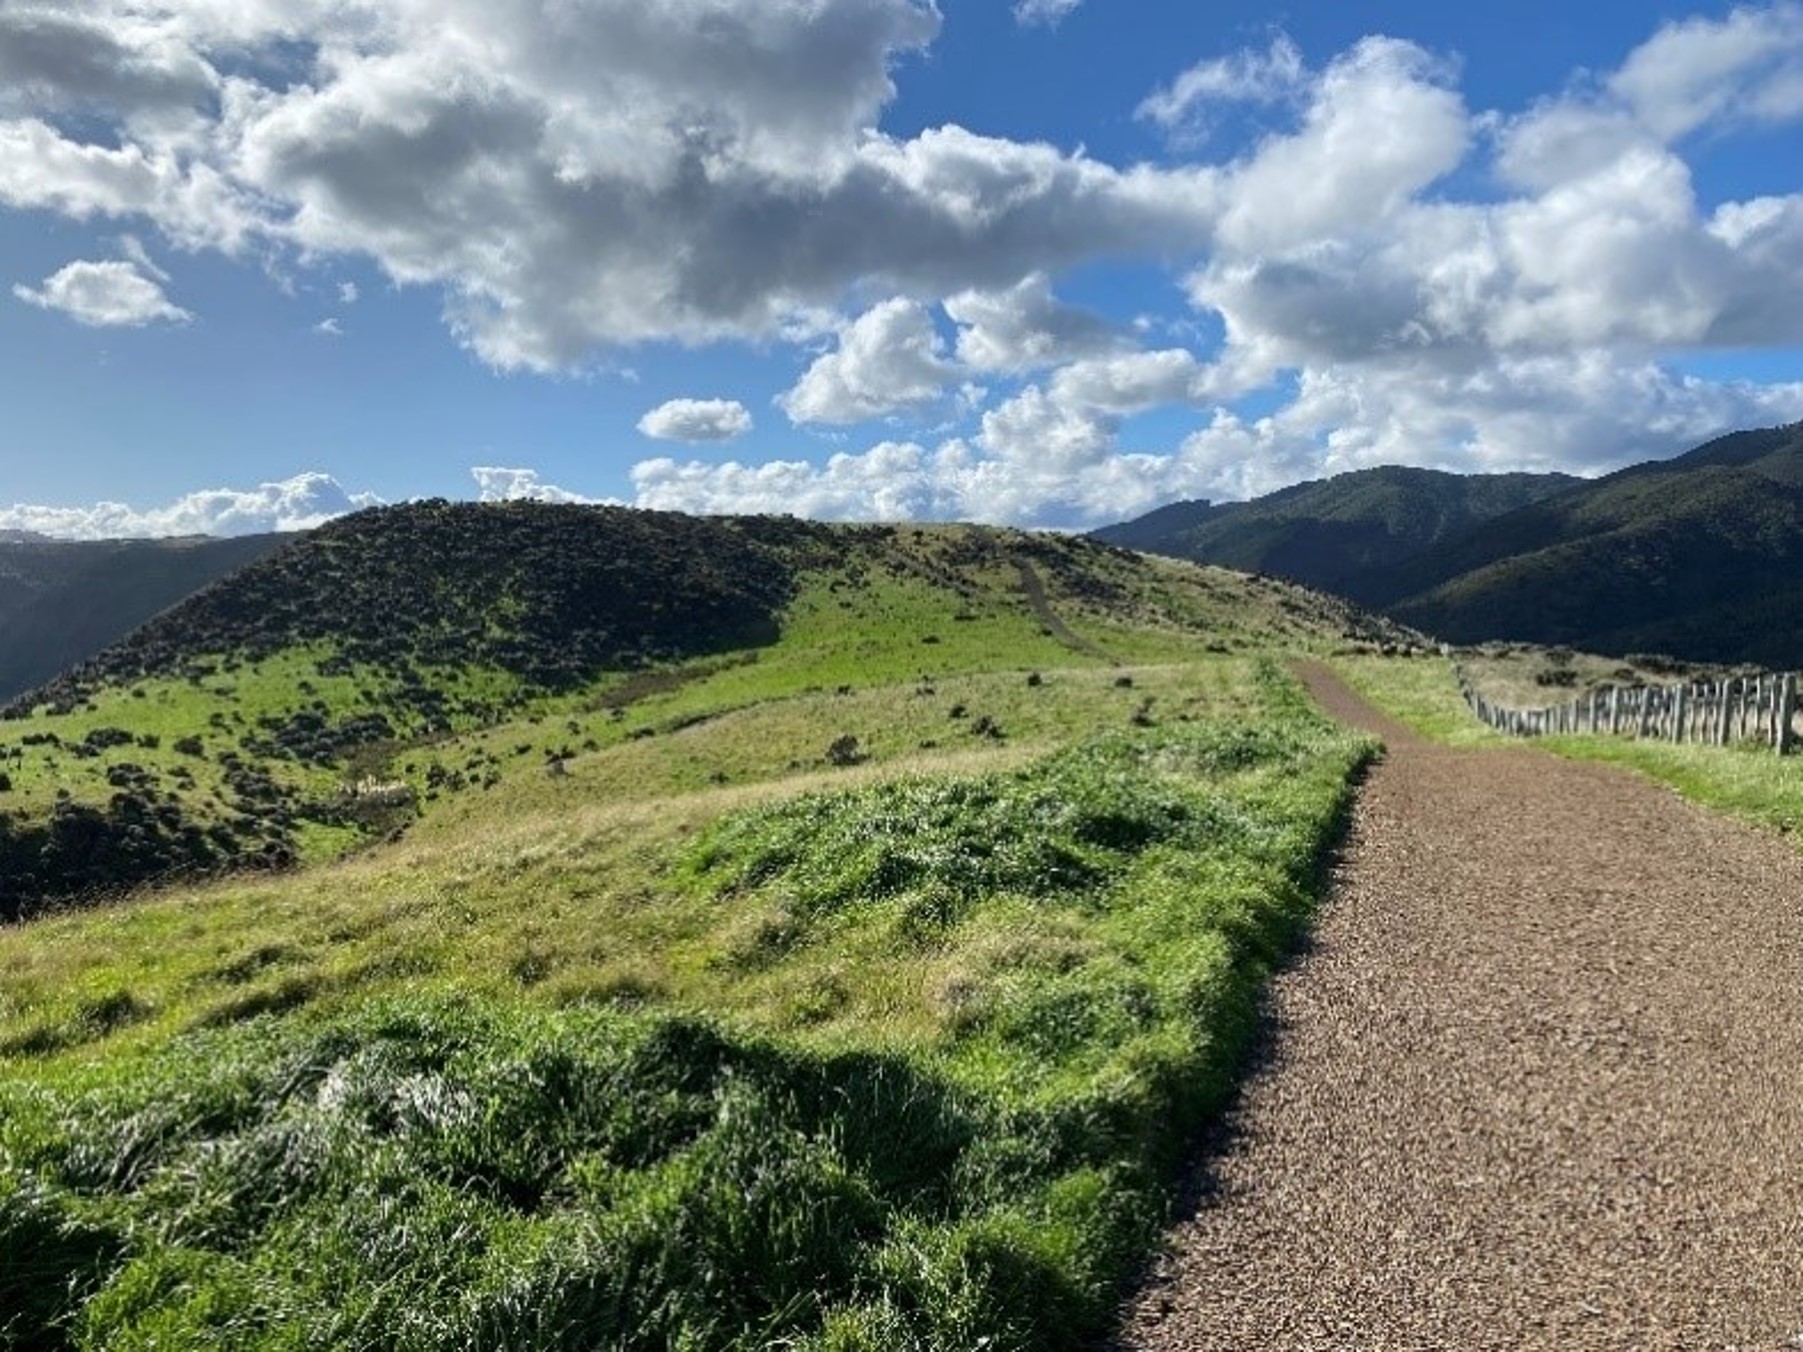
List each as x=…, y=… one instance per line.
x=63, y=601
x=1697, y=556
x=622, y=929
x=1336, y=533
x=246, y=725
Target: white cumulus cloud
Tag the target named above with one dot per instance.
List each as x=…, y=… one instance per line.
x=300, y=503
x=570, y=177
x=1024, y=327
x=892, y=481
x=1038, y=461
x=697, y=420
x=1184, y=106
x=888, y=359
x=111, y=294
x=1382, y=124
x=495, y=483
x=1746, y=66
x=576, y=178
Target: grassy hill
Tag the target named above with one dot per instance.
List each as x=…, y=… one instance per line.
x=702, y=933
x=1697, y=556
x=1702, y=564
x=1336, y=533
x=63, y=601
x=320, y=697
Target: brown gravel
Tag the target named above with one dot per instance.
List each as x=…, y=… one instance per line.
x=1538, y=1082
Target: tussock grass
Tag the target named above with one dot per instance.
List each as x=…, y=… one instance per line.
x=903, y=1058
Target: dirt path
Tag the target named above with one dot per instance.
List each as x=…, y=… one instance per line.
x=1041, y=606
x=1538, y=1083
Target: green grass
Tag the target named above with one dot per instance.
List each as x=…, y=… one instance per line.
x=713, y=1039
x=1748, y=782
x=920, y=606
x=903, y=1063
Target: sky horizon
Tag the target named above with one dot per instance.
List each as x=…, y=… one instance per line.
x=1032, y=262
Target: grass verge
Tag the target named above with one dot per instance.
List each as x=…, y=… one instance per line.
x=1748, y=782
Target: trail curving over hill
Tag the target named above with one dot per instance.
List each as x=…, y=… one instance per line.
x=1537, y=1083
x=1033, y=588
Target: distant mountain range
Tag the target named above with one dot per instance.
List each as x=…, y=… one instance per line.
x=62, y=601
x=1700, y=556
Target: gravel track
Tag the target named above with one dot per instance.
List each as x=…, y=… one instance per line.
x=1536, y=1083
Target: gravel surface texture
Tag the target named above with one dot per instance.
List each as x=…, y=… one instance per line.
x=1537, y=1081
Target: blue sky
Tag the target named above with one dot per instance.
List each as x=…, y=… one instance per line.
x=1048, y=262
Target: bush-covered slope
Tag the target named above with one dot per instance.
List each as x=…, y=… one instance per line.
x=1337, y=533
x=401, y=659
x=1696, y=556
x=1775, y=452
x=237, y=727
x=64, y=601
x=1689, y=562
x=546, y=594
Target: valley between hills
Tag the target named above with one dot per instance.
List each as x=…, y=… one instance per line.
x=538, y=926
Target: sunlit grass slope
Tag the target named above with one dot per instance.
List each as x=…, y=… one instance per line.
x=855, y=989
x=327, y=695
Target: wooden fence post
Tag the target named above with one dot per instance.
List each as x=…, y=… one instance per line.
x=1762, y=708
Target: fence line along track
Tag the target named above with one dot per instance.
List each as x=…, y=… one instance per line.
x=1761, y=709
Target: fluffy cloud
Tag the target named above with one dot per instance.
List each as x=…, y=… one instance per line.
x=1038, y=462
x=1585, y=412
x=1183, y=107
x=113, y=294
x=497, y=484
x=1381, y=125
x=1024, y=327
x=1747, y=66
x=570, y=177
x=889, y=358
x=63, y=61
x=1394, y=324
x=300, y=503
x=1605, y=247
x=890, y=482
x=579, y=176
x=697, y=420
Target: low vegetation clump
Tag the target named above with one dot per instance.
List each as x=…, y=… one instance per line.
x=977, y=1160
